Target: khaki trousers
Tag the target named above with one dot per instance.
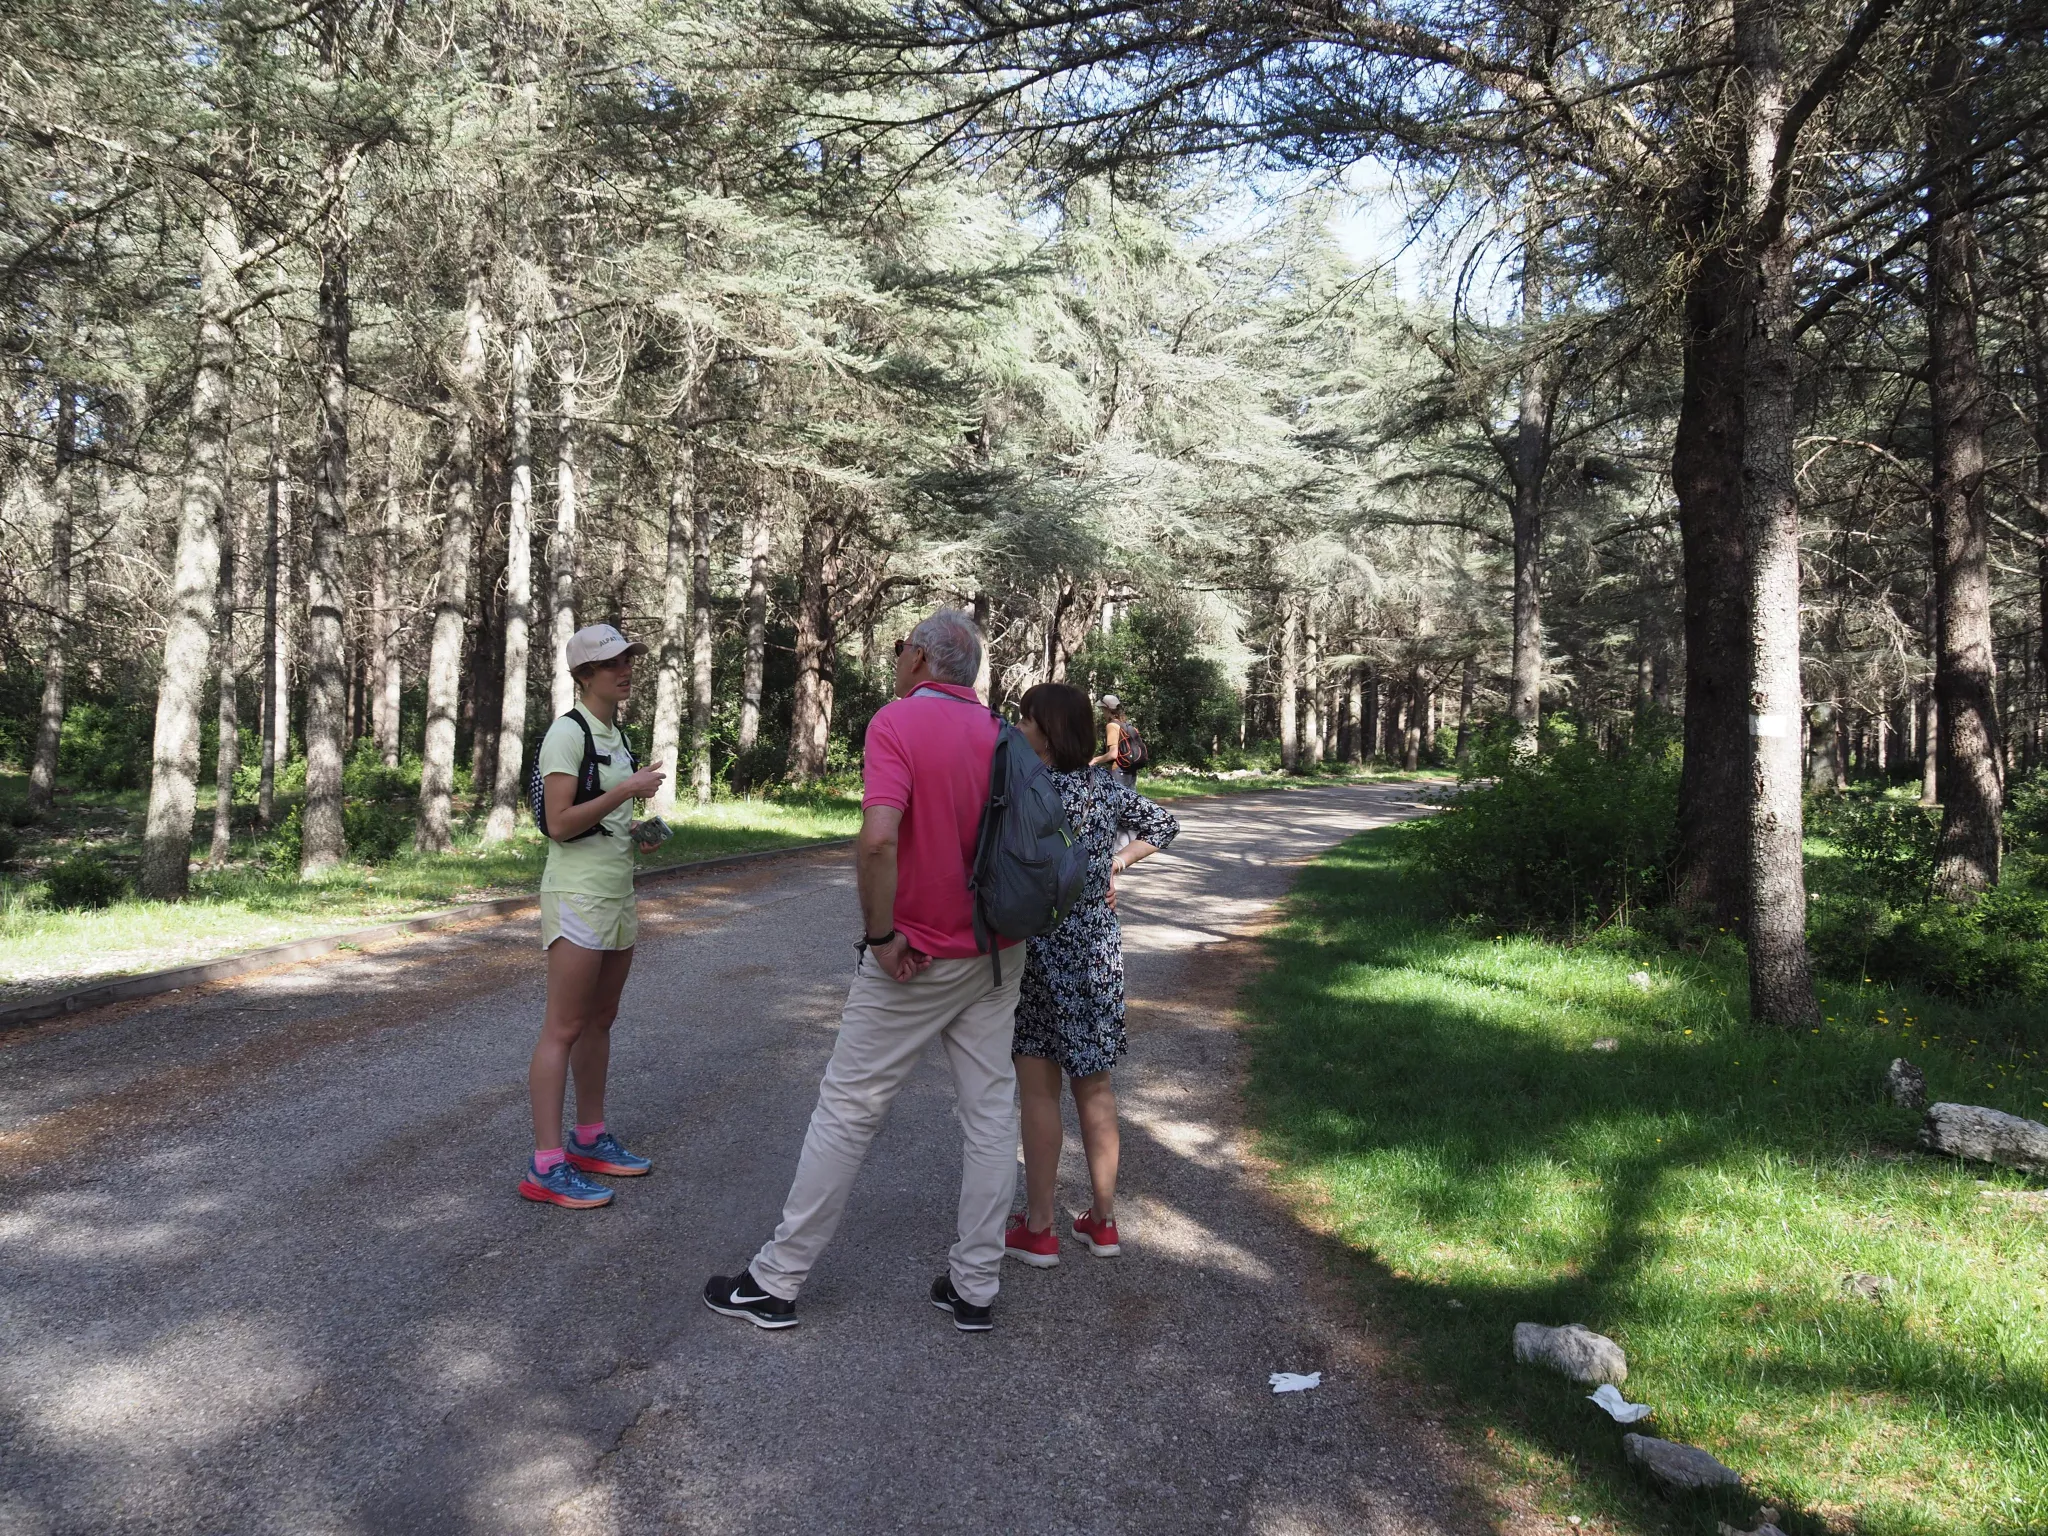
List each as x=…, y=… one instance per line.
x=883, y=1031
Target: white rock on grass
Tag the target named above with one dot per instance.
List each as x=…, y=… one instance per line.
x=1677, y=1468
x=1573, y=1350
x=1986, y=1136
x=1906, y=1083
x=1640, y=980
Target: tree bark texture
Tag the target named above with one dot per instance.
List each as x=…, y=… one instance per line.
x=509, y=777
x=42, y=773
x=386, y=670
x=816, y=644
x=1780, y=972
x=1965, y=672
x=1531, y=466
x=1360, y=744
x=1468, y=695
x=563, y=541
x=675, y=626
x=227, y=755
x=1288, y=683
x=757, y=632
x=276, y=715
x=700, y=649
x=189, y=623
x=451, y=590
x=1411, y=735
x=1706, y=473
x=1312, y=683
x=322, y=841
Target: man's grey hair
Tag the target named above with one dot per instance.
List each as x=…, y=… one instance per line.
x=952, y=646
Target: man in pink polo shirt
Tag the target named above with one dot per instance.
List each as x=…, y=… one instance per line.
x=920, y=975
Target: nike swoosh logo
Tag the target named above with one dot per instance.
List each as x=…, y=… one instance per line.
x=745, y=1301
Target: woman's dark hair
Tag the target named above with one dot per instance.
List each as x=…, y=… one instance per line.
x=1068, y=720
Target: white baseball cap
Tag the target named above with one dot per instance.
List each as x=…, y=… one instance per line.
x=1111, y=701
x=599, y=642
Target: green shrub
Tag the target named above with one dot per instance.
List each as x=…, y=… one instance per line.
x=2026, y=815
x=83, y=883
x=280, y=851
x=364, y=776
x=1180, y=701
x=10, y=845
x=20, y=814
x=1997, y=947
x=1887, y=844
x=376, y=829
x=1560, y=840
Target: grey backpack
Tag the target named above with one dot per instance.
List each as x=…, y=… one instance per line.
x=1029, y=867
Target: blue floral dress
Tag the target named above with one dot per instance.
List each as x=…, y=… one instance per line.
x=1071, y=1007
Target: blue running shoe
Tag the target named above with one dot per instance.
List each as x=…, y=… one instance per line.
x=563, y=1185
x=606, y=1156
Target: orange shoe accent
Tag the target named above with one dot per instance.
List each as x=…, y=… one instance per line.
x=584, y=1164
x=546, y=1196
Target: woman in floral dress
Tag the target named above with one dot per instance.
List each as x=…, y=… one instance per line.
x=1070, y=1013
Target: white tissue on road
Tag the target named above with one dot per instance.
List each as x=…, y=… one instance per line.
x=1619, y=1408
x=1289, y=1381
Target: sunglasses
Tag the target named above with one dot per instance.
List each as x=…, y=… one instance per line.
x=902, y=644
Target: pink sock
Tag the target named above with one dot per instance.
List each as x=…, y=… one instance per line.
x=551, y=1159
x=589, y=1133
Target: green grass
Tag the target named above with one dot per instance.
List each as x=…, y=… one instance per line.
x=247, y=905
x=1433, y=1097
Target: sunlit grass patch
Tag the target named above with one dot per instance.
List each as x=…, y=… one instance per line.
x=248, y=904
x=1595, y=1134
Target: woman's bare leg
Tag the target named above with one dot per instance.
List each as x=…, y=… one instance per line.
x=1038, y=1107
x=1095, y=1105
x=573, y=975
x=590, y=1058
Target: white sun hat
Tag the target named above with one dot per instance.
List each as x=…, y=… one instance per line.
x=599, y=642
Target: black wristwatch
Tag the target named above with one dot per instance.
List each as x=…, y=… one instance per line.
x=867, y=944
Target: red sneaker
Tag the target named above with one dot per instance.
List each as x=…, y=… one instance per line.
x=1100, y=1236
x=1041, y=1250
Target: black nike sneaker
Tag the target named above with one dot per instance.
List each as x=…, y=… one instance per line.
x=967, y=1317
x=738, y=1296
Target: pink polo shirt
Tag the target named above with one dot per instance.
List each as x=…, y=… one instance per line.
x=928, y=757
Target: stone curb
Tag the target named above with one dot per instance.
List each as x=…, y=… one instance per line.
x=123, y=989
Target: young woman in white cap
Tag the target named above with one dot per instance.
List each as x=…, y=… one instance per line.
x=588, y=922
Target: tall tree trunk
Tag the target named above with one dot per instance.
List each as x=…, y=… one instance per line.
x=700, y=649
x=1967, y=857
x=487, y=646
x=385, y=673
x=276, y=593
x=42, y=773
x=810, y=723
x=1360, y=744
x=451, y=589
x=1706, y=473
x=1820, y=747
x=1531, y=465
x=1780, y=971
x=1411, y=725
x=1468, y=695
x=323, y=843
x=675, y=623
x=1288, y=683
x=195, y=573
x=757, y=631
x=562, y=543
x=227, y=755
x=511, y=750
x=1312, y=683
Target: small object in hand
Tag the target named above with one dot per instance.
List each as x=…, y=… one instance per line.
x=651, y=832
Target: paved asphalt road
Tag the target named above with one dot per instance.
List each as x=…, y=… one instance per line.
x=262, y=1268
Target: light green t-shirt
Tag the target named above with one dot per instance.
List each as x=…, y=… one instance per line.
x=596, y=865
